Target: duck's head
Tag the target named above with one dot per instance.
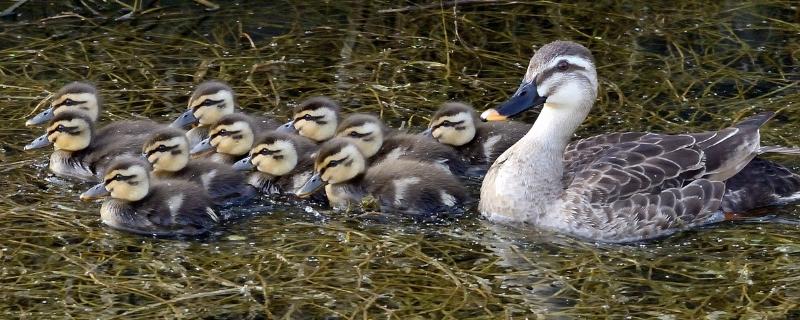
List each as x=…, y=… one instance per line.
x=167, y=150
x=210, y=101
x=561, y=76
x=127, y=178
x=75, y=96
x=453, y=124
x=274, y=153
x=68, y=131
x=366, y=131
x=315, y=118
x=233, y=134
x=338, y=161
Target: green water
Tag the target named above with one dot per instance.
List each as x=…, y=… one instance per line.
x=677, y=67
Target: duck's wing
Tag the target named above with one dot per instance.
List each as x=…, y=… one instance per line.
x=641, y=189
x=583, y=152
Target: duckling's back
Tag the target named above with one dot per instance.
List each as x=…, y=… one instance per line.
x=414, y=147
x=414, y=187
x=224, y=185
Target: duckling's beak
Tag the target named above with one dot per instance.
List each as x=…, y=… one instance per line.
x=96, y=192
x=525, y=98
x=287, y=128
x=185, y=119
x=37, y=143
x=42, y=117
x=243, y=165
x=310, y=186
x=202, y=146
x=428, y=133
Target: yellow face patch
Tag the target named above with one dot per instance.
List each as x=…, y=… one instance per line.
x=234, y=139
x=82, y=102
x=318, y=125
x=208, y=109
x=342, y=166
x=168, y=155
x=130, y=184
x=70, y=135
x=455, y=130
x=276, y=159
x=368, y=137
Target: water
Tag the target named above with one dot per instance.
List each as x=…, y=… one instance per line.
x=678, y=67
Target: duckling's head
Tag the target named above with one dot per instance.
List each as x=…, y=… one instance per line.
x=68, y=131
x=167, y=150
x=316, y=118
x=127, y=178
x=561, y=76
x=75, y=96
x=453, y=124
x=210, y=101
x=233, y=134
x=366, y=131
x=339, y=160
x=275, y=153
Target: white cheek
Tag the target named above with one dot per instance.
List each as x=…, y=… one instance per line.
x=569, y=93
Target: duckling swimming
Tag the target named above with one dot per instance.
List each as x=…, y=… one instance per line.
x=142, y=206
x=616, y=187
x=211, y=101
x=399, y=185
x=458, y=125
x=377, y=143
x=285, y=160
x=80, y=151
x=231, y=137
x=167, y=150
x=315, y=118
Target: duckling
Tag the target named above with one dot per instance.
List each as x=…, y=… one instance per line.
x=167, y=150
x=142, y=206
x=210, y=101
x=377, y=143
x=458, y=125
x=315, y=118
x=284, y=162
x=399, y=185
x=231, y=137
x=83, y=152
x=83, y=97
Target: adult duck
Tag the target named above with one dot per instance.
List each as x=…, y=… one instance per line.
x=616, y=187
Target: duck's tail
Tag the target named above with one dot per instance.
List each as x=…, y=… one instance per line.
x=779, y=149
x=756, y=121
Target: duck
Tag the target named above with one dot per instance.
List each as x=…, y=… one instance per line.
x=209, y=102
x=315, y=118
x=81, y=151
x=139, y=205
x=616, y=187
x=377, y=143
x=285, y=161
x=83, y=97
x=458, y=125
x=404, y=186
x=167, y=151
x=231, y=138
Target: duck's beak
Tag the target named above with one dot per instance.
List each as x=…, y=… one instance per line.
x=37, y=143
x=202, y=146
x=287, y=127
x=96, y=192
x=310, y=186
x=43, y=117
x=243, y=165
x=525, y=98
x=428, y=133
x=185, y=119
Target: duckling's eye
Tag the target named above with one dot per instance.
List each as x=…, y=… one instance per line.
x=264, y=152
x=119, y=177
x=353, y=134
x=446, y=123
x=61, y=128
x=307, y=117
x=563, y=65
x=69, y=102
x=161, y=148
x=334, y=163
x=207, y=102
x=223, y=132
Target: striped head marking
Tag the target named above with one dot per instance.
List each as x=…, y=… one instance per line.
x=366, y=131
x=70, y=131
x=77, y=96
x=453, y=124
x=339, y=161
x=276, y=157
x=167, y=150
x=127, y=179
x=316, y=118
x=211, y=101
x=563, y=73
x=233, y=137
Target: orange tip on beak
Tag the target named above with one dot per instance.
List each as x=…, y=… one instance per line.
x=493, y=115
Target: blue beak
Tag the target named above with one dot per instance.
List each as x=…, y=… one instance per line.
x=287, y=128
x=202, y=146
x=313, y=184
x=43, y=117
x=243, y=165
x=98, y=191
x=39, y=142
x=525, y=98
x=184, y=120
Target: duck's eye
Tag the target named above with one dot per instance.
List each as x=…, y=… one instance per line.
x=563, y=65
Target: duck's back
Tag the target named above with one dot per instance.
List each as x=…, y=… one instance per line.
x=415, y=147
x=172, y=208
x=413, y=187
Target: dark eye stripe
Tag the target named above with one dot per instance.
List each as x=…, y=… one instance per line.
x=68, y=130
x=447, y=124
x=207, y=103
x=311, y=118
x=166, y=148
x=223, y=134
x=549, y=72
x=64, y=103
x=119, y=177
x=355, y=134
